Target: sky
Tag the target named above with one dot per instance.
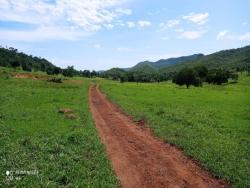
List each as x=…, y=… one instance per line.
x=101, y=34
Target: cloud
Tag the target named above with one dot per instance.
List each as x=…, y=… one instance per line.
x=197, y=18
x=221, y=34
x=108, y=26
x=124, y=11
x=124, y=49
x=80, y=18
x=138, y=24
x=131, y=24
x=242, y=37
x=143, y=23
x=172, y=23
x=97, y=46
x=190, y=35
x=244, y=23
x=42, y=34
x=169, y=24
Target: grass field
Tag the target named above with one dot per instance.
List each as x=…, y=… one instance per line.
x=211, y=124
x=34, y=136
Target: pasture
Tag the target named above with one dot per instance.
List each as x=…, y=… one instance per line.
x=63, y=150
x=210, y=123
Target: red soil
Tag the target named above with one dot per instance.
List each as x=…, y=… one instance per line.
x=138, y=158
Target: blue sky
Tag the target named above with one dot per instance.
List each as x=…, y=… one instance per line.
x=101, y=34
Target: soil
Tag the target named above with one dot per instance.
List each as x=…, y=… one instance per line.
x=29, y=75
x=138, y=158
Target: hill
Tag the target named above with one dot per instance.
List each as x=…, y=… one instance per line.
x=237, y=58
x=163, y=63
x=10, y=57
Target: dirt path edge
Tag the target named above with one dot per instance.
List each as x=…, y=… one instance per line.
x=138, y=158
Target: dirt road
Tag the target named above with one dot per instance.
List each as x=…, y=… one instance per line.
x=139, y=159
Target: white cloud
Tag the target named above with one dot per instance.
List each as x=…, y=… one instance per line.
x=172, y=23
x=77, y=17
x=221, y=34
x=143, y=23
x=41, y=34
x=109, y=26
x=224, y=35
x=124, y=49
x=138, y=24
x=131, y=24
x=244, y=37
x=197, y=18
x=97, y=46
x=169, y=24
x=179, y=30
x=124, y=11
x=190, y=35
x=244, y=23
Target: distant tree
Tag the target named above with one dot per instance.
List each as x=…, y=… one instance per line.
x=14, y=63
x=234, y=76
x=201, y=71
x=27, y=67
x=57, y=70
x=93, y=74
x=187, y=76
x=86, y=73
x=69, y=71
x=218, y=76
x=53, y=70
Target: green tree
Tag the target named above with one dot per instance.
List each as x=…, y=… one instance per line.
x=69, y=71
x=187, y=76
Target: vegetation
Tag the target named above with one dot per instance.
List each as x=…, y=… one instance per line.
x=210, y=123
x=187, y=76
x=234, y=59
x=163, y=63
x=10, y=57
x=63, y=148
x=218, y=65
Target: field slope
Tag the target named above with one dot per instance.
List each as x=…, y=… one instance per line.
x=211, y=123
x=66, y=152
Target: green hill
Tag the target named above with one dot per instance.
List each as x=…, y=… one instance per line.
x=163, y=63
x=225, y=59
x=10, y=57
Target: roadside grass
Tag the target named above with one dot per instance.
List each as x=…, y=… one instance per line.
x=211, y=124
x=34, y=136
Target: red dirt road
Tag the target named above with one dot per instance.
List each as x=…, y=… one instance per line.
x=139, y=159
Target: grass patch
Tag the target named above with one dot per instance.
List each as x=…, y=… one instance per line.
x=66, y=152
x=211, y=124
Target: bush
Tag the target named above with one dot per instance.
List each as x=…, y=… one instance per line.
x=55, y=79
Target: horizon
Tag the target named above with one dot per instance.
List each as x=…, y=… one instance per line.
x=102, y=34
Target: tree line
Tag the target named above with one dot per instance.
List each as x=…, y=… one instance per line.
x=186, y=76
x=196, y=75
x=10, y=57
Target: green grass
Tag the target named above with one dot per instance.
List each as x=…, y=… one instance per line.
x=34, y=136
x=211, y=124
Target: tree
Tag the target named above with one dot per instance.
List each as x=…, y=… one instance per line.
x=93, y=74
x=14, y=63
x=187, y=76
x=69, y=71
x=86, y=73
x=218, y=76
x=27, y=67
x=201, y=71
